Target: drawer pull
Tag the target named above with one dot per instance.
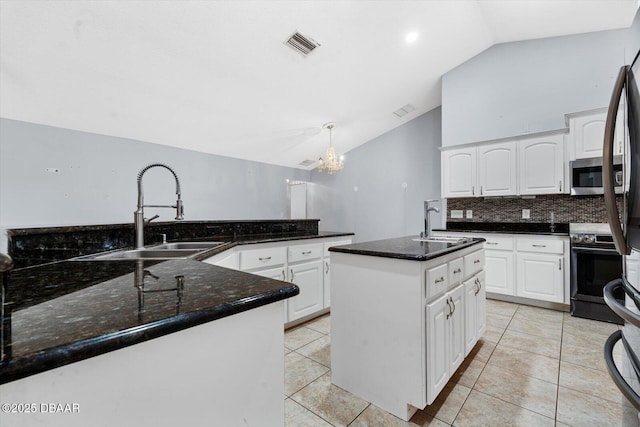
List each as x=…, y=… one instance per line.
x=307, y=253
x=539, y=246
x=441, y=279
x=264, y=259
x=492, y=243
x=476, y=261
x=457, y=270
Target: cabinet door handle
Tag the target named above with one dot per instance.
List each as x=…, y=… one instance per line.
x=326, y=267
x=473, y=190
x=454, y=306
x=560, y=185
x=479, y=285
x=307, y=252
x=450, y=310
x=560, y=264
x=264, y=259
x=457, y=271
x=292, y=275
x=441, y=279
x=284, y=275
x=481, y=190
x=539, y=246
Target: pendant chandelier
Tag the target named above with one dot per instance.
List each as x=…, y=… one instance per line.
x=332, y=164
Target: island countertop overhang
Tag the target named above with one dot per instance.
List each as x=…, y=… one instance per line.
x=406, y=248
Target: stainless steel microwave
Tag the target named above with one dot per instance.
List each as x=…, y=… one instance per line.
x=586, y=176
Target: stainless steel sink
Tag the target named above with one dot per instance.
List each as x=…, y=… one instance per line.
x=165, y=251
x=188, y=245
x=148, y=254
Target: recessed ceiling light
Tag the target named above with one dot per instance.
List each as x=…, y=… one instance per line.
x=411, y=37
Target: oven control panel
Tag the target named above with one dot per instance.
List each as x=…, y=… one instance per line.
x=599, y=240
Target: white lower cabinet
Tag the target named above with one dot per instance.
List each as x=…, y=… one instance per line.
x=475, y=310
x=540, y=276
x=528, y=266
x=499, y=268
x=398, y=326
x=278, y=273
x=327, y=269
x=327, y=283
x=303, y=262
x=308, y=276
x=445, y=339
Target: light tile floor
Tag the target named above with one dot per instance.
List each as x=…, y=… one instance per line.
x=533, y=367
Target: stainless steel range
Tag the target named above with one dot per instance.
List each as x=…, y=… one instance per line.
x=594, y=263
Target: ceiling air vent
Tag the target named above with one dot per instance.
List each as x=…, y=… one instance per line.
x=404, y=110
x=306, y=162
x=302, y=44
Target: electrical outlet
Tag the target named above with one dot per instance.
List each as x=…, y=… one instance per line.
x=469, y=213
x=526, y=213
x=457, y=213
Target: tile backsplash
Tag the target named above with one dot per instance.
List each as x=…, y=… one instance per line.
x=565, y=208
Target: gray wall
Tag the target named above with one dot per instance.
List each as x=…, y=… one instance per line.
x=97, y=183
x=382, y=207
x=517, y=88
x=633, y=39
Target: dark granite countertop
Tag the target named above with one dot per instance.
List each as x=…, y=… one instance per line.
x=65, y=311
x=560, y=229
x=405, y=248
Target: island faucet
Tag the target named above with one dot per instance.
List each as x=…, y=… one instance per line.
x=138, y=215
x=427, y=231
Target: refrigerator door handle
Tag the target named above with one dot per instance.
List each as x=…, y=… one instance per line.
x=617, y=378
x=607, y=165
x=618, y=307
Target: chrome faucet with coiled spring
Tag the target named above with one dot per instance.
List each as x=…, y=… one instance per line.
x=138, y=215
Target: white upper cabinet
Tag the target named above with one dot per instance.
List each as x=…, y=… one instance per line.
x=459, y=176
x=541, y=165
x=586, y=134
x=518, y=166
x=497, y=173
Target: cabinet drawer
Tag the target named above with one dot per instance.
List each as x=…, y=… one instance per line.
x=455, y=271
x=473, y=263
x=265, y=257
x=305, y=252
x=540, y=245
x=499, y=243
x=437, y=280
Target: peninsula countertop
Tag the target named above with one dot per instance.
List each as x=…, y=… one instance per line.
x=66, y=311
x=406, y=248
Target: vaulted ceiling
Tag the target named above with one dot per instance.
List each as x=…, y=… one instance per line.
x=218, y=77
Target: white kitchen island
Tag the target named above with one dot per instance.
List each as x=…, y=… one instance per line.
x=404, y=315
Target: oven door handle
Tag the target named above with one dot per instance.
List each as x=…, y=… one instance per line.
x=617, y=378
x=603, y=251
x=607, y=165
x=615, y=305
